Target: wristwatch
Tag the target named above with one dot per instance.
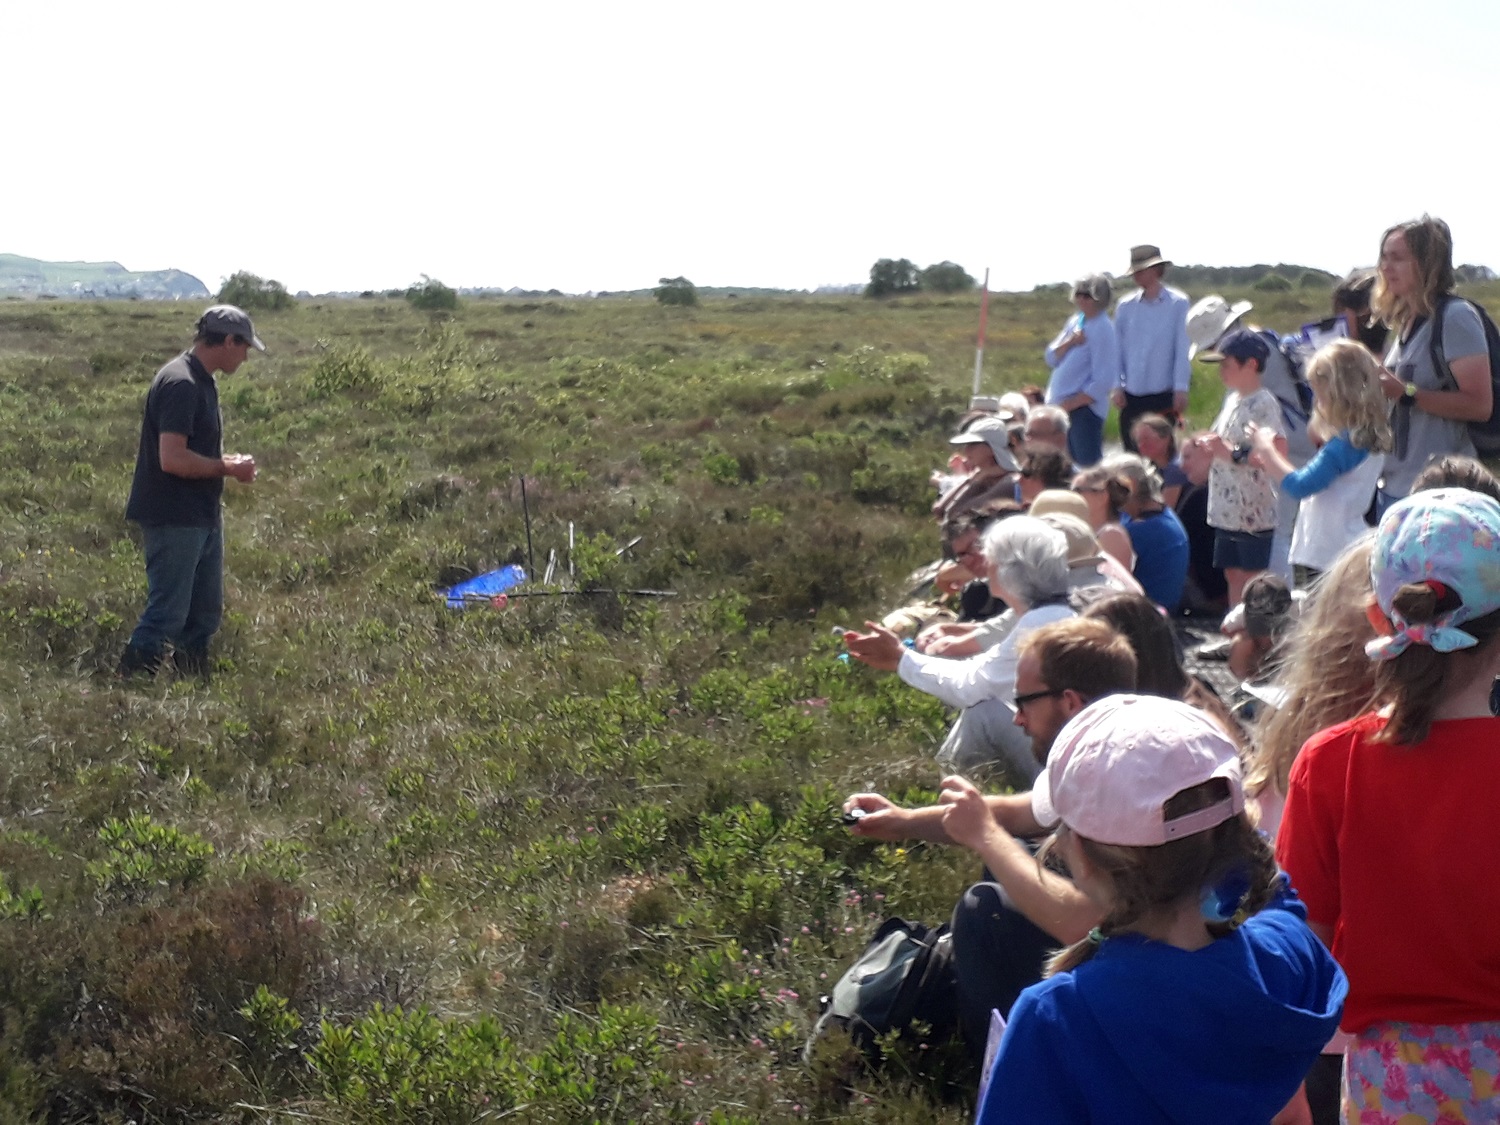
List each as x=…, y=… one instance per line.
x=1409, y=393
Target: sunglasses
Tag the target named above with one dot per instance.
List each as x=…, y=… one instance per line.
x=1020, y=701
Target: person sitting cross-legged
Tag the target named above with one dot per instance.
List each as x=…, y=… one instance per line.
x=1005, y=926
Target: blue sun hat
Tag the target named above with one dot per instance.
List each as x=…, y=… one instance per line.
x=1448, y=538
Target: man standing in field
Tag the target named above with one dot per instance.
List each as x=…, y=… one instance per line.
x=1151, y=329
x=175, y=496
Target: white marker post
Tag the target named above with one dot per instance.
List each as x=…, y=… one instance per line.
x=984, y=311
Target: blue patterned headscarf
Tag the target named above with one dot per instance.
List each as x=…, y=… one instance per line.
x=1450, y=539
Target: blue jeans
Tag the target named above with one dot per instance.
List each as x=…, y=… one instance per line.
x=1085, y=437
x=184, y=589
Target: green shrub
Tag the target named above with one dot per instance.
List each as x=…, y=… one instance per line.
x=1272, y=282
x=676, y=291
x=945, y=277
x=143, y=856
x=341, y=369
x=890, y=276
x=399, y=1067
x=255, y=294
x=431, y=295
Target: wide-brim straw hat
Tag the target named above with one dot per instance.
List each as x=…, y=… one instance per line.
x=1144, y=257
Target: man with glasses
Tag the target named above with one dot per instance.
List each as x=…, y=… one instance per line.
x=176, y=494
x=1005, y=927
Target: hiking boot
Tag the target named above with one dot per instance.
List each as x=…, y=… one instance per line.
x=137, y=662
x=192, y=662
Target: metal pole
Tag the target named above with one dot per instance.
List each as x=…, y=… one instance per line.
x=526, y=511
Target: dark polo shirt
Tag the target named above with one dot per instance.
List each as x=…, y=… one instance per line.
x=183, y=399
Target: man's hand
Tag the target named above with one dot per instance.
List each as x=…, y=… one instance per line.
x=240, y=466
x=879, y=648
x=1117, y=396
x=967, y=818
x=1179, y=402
x=883, y=820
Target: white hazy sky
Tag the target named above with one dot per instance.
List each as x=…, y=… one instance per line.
x=585, y=146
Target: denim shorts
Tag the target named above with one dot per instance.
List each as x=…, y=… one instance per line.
x=1242, y=550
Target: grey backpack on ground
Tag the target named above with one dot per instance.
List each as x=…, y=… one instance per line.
x=903, y=982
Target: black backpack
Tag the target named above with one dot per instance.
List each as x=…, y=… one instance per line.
x=903, y=978
x=1486, y=434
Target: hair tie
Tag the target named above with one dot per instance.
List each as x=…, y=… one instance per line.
x=1096, y=936
x=1224, y=901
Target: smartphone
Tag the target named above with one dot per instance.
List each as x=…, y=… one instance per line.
x=854, y=816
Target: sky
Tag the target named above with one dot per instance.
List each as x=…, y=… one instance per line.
x=591, y=146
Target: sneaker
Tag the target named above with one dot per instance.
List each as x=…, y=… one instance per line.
x=192, y=663
x=137, y=662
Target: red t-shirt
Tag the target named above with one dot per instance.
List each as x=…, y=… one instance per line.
x=1397, y=848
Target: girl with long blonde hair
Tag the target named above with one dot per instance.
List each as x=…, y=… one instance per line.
x=1335, y=487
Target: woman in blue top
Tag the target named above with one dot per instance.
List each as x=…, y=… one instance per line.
x=1156, y=441
x=1335, y=487
x=1156, y=534
x=1085, y=362
x=1202, y=996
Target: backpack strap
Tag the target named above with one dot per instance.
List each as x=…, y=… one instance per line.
x=1435, y=341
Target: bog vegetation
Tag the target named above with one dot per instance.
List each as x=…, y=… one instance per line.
x=573, y=859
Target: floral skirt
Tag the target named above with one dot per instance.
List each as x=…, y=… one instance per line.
x=1417, y=1073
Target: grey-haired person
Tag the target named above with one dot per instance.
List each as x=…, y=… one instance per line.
x=176, y=496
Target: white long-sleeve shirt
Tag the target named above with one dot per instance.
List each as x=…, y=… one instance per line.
x=990, y=674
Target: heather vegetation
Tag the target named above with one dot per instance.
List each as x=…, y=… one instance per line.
x=572, y=859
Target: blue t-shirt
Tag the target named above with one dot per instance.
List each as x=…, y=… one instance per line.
x=1149, y=1034
x=1161, y=556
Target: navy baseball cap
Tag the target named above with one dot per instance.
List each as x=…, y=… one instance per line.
x=1242, y=345
x=231, y=321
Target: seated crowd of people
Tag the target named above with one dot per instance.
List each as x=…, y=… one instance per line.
x=1227, y=878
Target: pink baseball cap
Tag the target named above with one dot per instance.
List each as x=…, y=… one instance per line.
x=1119, y=760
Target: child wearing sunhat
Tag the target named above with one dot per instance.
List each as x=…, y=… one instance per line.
x=1390, y=832
x=1202, y=996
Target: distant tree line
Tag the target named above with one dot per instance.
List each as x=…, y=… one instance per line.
x=891, y=276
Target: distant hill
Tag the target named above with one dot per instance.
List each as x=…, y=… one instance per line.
x=31, y=277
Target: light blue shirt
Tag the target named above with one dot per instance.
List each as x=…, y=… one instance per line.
x=1335, y=459
x=1153, y=342
x=1093, y=367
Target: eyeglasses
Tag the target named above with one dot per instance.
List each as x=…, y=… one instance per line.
x=1020, y=701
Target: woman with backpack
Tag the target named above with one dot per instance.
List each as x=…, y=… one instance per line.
x=1432, y=407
